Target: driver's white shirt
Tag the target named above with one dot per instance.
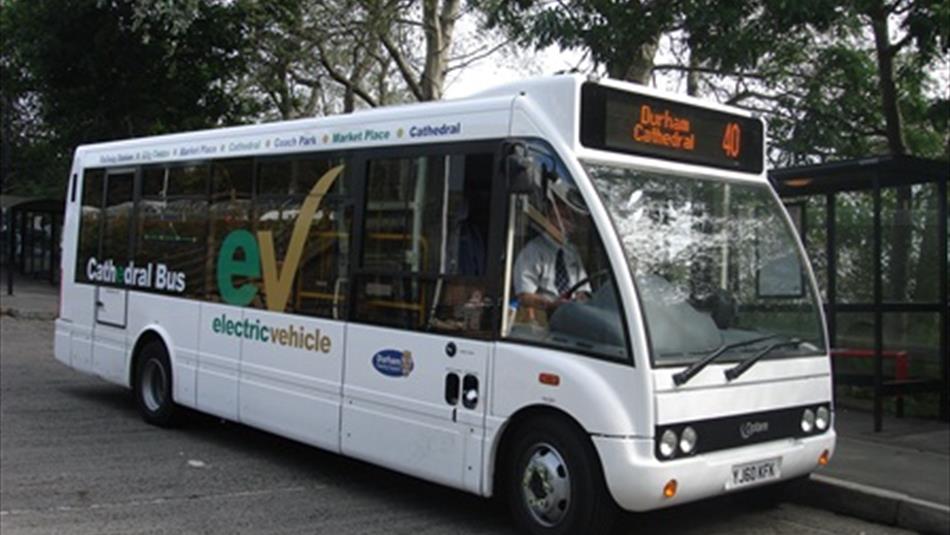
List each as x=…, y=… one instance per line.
x=534, y=269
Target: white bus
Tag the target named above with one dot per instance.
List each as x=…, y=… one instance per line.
x=577, y=294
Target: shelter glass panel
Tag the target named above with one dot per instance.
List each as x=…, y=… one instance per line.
x=909, y=256
x=854, y=220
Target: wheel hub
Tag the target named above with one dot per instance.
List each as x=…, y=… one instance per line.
x=154, y=385
x=546, y=485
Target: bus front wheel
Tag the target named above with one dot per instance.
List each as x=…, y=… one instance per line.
x=153, y=385
x=555, y=484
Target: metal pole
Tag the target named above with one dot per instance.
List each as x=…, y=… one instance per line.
x=53, y=248
x=22, y=242
x=29, y=235
x=944, y=299
x=878, y=316
x=831, y=255
x=11, y=246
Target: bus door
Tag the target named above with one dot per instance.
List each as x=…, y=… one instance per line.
x=111, y=297
x=415, y=380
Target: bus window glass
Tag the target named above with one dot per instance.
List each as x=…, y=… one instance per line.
x=91, y=217
x=305, y=197
x=153, y=181
x=230, y=210
x=116, y=232
x=707, y=253
x=424, y=251
x=562, y=291
x=172, y=228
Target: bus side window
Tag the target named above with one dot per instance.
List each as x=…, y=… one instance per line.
x=284, y=188
x=90, y=221
x=117, y=219
x=562, y=292
x=423, y=262
x=230, y=210
x=173, y=225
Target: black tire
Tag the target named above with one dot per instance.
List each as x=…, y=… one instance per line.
x=153, y=385
x=560, y=456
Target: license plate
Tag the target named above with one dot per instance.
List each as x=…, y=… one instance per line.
x=749, y=473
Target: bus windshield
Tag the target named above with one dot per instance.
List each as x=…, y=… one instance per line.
x=714, y=263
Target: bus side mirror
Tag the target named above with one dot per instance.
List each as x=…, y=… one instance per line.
x=521, y=171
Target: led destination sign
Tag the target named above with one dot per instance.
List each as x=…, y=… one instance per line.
x=628, y=122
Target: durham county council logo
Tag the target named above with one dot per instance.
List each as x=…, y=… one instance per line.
x=393, y=363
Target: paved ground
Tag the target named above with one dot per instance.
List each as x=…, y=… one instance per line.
x=76, y=458
x=31, y=298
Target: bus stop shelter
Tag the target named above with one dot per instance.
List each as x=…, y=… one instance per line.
x=31, y=234
x=875, y=230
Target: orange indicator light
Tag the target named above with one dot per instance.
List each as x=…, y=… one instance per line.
x=669, y=490
x=550, y=379
x=823, y=458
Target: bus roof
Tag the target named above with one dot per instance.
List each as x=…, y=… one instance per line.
x=484, y=115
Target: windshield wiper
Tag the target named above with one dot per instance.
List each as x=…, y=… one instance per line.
x=743, y=366
x=694, y=368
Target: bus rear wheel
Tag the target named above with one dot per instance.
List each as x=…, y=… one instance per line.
x=153, y=385
x=555, y=484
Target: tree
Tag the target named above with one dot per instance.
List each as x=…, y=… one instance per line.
x=321, y=57
x=92, y=71
x=621, y=36
x=809, y=66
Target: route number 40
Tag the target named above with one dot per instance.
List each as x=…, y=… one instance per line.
x=730, y=140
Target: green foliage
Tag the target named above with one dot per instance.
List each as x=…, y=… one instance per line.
x=809, y=66
x=93, y=71
x=612, y=32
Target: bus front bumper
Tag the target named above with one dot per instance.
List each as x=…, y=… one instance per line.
x=636, y=479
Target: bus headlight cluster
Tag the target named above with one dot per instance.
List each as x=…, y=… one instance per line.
x=808, y=420
x=816, y=419
x=688, y=440
x=822, y=418
x=670, y=443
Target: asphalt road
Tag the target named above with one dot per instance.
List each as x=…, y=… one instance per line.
x=76, y=458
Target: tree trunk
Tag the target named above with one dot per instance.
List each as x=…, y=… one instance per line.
x=439, y=25
x=885, y=66
x=927, y=281
x=692, y=76
x=6, y=158
x=640, y=66
x=893, y=123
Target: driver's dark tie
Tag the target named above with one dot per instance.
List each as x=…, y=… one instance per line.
x=561, y=280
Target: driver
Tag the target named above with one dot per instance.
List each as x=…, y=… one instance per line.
x=549, y=266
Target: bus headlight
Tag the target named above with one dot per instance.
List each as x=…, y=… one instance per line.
x=822, y=418
x=688, y=440
x=668, y=443
x=808, y=420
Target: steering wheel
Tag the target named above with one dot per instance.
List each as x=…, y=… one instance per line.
x=597, y=275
